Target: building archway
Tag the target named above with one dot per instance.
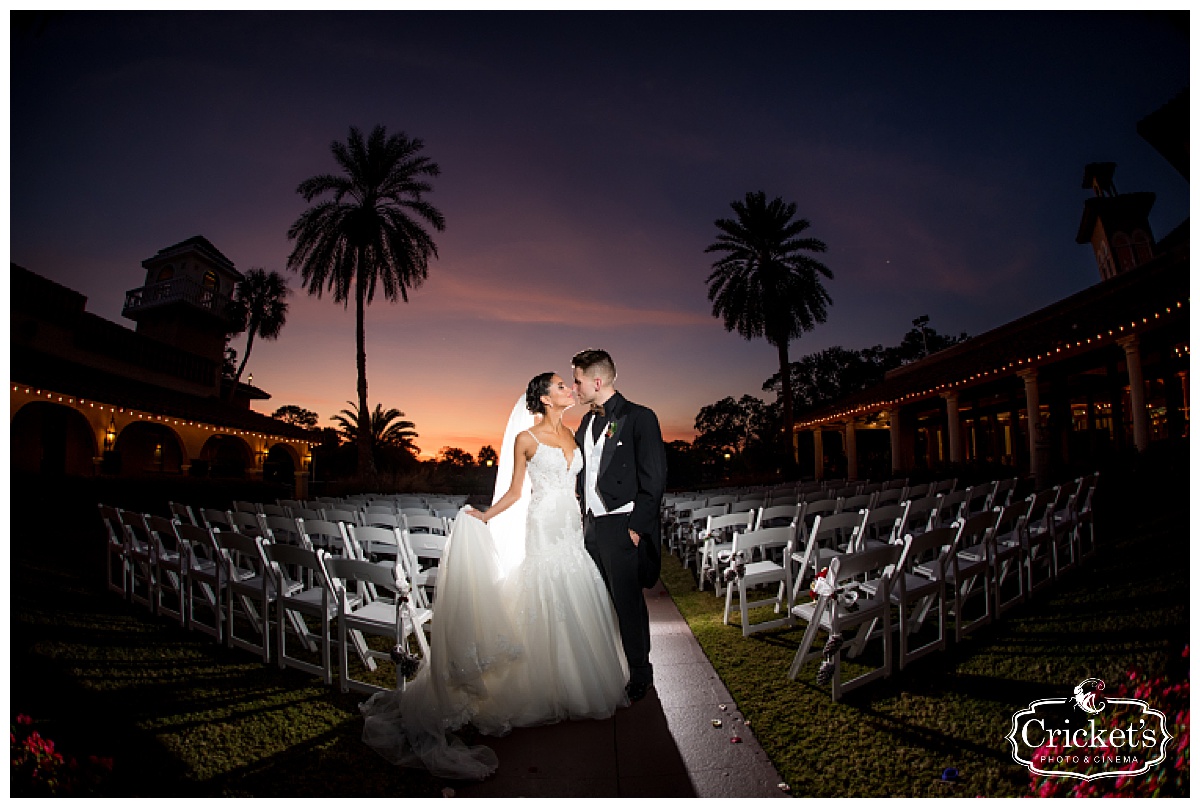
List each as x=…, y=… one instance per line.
x=279, y=467
x=226, y=456
x=149, y=448
x=51, y=439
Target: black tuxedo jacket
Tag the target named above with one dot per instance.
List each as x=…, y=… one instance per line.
x=633, y=468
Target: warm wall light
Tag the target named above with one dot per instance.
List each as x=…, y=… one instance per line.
x=110, y=434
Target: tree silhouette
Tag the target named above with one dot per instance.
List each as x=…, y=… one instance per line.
x=370, y=234
x=260, y=303
x=766, y=286
x=292, y=414
x=383, y=428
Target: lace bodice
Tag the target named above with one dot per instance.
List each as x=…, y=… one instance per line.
x=549, y=472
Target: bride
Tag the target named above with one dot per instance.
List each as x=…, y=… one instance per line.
x=532, y=645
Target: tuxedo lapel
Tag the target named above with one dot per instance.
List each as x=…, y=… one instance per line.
x=610, y=442
x=582, y=432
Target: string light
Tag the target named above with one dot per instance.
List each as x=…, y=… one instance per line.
x=148, y=416
x=1027, y=360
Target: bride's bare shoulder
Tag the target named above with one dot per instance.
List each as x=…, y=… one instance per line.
x=525, y=444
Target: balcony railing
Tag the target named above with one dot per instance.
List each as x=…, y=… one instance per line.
x=175, y=290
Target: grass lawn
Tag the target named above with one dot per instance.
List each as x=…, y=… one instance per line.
x=182, y=716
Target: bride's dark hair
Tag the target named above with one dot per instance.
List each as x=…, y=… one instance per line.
x=539, y=386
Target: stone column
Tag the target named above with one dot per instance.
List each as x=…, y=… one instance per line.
x=851, y=451
x=953, y=427
x=1033, y=418
x=818, y=455
x=1137, y=393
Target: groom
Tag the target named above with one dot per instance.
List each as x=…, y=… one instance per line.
x=620, y=489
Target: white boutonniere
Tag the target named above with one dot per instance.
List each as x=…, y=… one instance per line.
x=612, y=429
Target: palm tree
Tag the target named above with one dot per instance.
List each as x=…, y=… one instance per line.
x=260, y=302
x=369, y=234
x=381, y=430
x=765, y=286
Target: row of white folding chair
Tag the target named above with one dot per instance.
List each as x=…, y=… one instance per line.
x=235, y=574
x=713, y=539
x=716, y=536
x=912, y=575
x=950, y=566
x=262, y=570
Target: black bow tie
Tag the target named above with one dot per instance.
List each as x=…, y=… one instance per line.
x=597, y=422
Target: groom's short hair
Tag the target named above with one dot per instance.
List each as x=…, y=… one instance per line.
x=595, y=362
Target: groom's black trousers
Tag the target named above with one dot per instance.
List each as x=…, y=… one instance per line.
x=607, y=541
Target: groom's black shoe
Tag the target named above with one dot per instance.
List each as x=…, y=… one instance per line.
x=637, y=690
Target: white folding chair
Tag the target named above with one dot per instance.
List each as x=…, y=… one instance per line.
x=745, y=573
x=715, y=541
x=1085, y=526
x=251, y=591
x=817, y=507
x=242, y=506
x=969, y=572
x=1039, y=541
x=949, y=508
x=141, y=558
x=943, y=486
x=205, y=580
x=778, y=516
x=382, y=519
x=346, y=517
x=283, y=530
x=319, y=600
x=1062, y=522
x=171, y=564
x=1002, y=495
x=978, y=500
x=870, y=613
x=395, y=617
x=918, y=593
x=881, y=525
x=116, y=549
x=697, y=521
x=268, y=509
x=679, y=526
x=328, y=536
x=888, y=496
x=247, y=523
x=831, y=536
x=921, y=515
x=858, y=502
x=183, y=513
x=426, y=537
x=215, y=519
x=1008, y=555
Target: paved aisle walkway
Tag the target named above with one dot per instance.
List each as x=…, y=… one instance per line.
x=662, y=746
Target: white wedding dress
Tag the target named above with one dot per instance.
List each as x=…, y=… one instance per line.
x=535, y=646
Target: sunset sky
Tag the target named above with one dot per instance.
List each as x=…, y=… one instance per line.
x=584, y=159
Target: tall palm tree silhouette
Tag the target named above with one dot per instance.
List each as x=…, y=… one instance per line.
x=261, y=304
x=370, y=234
x=765, y=285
